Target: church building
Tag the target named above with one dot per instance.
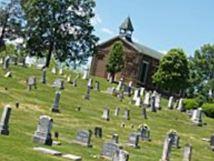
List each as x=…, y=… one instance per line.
x=141, y=62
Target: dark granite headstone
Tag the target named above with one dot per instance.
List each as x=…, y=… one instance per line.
x=212, y=142
x=55, y=107
x=4, y=127
x=145, y=133
x=43, y=79
x=98, y=132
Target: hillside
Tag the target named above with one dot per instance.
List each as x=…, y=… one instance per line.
x=18, y=146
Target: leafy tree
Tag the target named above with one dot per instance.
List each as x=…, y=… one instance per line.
x=204, y=61
x=173, y=71
x=61, y=28
x=116, y=60
x=11, y=21
x=201, y=70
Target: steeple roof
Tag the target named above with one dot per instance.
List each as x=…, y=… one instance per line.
x=127, y=25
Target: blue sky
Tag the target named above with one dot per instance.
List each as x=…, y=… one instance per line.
x=159, y=24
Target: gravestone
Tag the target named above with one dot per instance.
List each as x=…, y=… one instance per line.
x=106, y=114
x=144, y=113
x=170, y=102
x=120, y=85
x=187, y=154
x=31, y=82
x=53, y=70
x=84, y=138
x=145, y=133
x=8, y=74
x=4, y=127
x=157, y=101
x=212, y=142
x=86, y=74
x=90, y=83
x=117, y=111
x=43, y=79
x=109, y=149
x=138, y=102
x=43, y=132
x=74, y=83
x=121, y=155
x=69, y=79
x=6, y=63
x=133, y=140
x=111, y=90
x=146, y=100
x=60, y=71
x=127, y=114
x=166, y=149
x=97, y=86
x=108, y=76
x=120, y=96
x=129, y=89
x=55, y=107
x=98, y=132
x=181, y=105
x=153, y=98
x=136, y=95
x=175, y=139
x=142, y=90
x=210, y=94
x=58, y=83
x=197, y=117
x=115, y=138
x=87, y=95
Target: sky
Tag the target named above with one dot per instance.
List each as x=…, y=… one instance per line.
x=159, y=24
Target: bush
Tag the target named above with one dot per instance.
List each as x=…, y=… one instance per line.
x=208, y=109
x=190, y=104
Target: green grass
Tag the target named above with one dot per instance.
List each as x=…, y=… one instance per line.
x=18, y=146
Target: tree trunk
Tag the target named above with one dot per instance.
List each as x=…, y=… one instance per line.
x=48, y=59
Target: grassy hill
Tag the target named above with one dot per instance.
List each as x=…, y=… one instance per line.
x=18, y=146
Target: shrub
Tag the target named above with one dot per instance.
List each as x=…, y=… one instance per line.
x=190, y=104
x=208, y=109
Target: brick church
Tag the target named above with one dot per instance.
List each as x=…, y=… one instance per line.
x=141, y=62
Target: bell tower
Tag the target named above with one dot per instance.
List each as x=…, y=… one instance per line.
x=126, y=29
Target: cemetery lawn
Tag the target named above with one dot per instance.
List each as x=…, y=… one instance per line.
x=18, y=146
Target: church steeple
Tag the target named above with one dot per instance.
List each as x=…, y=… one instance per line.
x=126, y=29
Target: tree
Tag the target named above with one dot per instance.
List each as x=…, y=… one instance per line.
x=204, y=61
x=11, y=21
x=61, y=28
x=116, y=60
x=173, y=71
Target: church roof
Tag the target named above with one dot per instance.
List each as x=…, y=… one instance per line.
x=127, y=25
x=138, y=47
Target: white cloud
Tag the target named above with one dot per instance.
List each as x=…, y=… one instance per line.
x=96, y=20
x=163, y=52
x=136, y=40
x=107, y=31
